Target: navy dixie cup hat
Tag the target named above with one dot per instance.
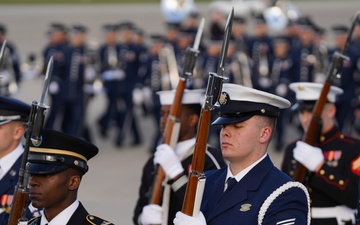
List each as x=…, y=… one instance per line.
x=308, y=93
x=59, y=151
x=239, y=103
x=12, y=109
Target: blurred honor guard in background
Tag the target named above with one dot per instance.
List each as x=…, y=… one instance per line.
x=130, y=63
x=334, y=165
x=57, y=166
x=111, y=75
x=56, y=47
x=281, y=75
x=250, y=190
x=346, y=104
x=10, y=74
x=76, y=63
x=259, y=50
x=13, y=116
x=303, y=51
x=175, y=162
x=156, y=79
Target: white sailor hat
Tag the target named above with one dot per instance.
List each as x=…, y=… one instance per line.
x=239, y=103
x=307, y=93
x=195, y=96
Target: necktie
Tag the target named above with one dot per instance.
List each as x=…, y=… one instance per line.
x=230, y=183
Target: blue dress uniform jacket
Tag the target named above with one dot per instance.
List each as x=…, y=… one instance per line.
x=336, y=183
x=7, y=187
x=80, y=217
x=213, y=160
x=241, y=205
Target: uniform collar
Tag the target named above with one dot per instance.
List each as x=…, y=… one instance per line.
x=242, y=173
x=328, y=135
x=63, y=217
x=8, y=161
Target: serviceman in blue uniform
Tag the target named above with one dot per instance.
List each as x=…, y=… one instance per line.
x=250, y=190
x=130, y=63
x=175, y=162
x=259, y=50
x=156, y=79
x=57, y=166
x=281, y=75
x=303, y=51
x=13, y=116
x=111, y=73
x=10, y=72
x=76, y=60
x=347, y=82
x=334, y=165
x=56, y=47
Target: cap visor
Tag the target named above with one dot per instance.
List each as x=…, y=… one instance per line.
x=302, y=106
x=230, y=120
x=42, y=169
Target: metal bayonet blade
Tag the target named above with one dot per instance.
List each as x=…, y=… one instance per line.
x=350, y=32
x=2, y=53
x=225, y=44
x=46, y=81
x=199, y=34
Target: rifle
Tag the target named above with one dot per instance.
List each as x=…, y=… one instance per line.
x=172, y=125
x=312, y=135
x=196, y=180
x=34, y=127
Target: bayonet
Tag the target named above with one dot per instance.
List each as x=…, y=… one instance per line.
x=225, y=44
x=41, y=106
x=2, y=53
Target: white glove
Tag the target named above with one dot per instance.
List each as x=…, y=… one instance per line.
x=137, y=96
x=166, y=157
x=183, y=219
x=265, y=82
x=311, y=157
x=281, y=90
x=53, y=87
x=151, y=214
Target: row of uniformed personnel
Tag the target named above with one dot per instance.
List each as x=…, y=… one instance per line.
x=124, y=64
x=248, y=190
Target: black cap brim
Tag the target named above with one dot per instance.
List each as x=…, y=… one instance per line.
x=308, y=106
x=230, y=120
x=45, y=168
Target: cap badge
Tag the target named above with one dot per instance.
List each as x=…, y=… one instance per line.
x=245, y=207
x=223, y=98
x=262, y=110
x=301, y=88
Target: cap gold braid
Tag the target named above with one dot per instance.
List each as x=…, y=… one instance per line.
x=57, y=151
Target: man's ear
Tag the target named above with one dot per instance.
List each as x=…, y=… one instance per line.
x=74, y=182
x=265, y=134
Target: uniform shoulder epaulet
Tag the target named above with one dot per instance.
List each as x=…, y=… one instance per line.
x=33, y=220
x=97, y=220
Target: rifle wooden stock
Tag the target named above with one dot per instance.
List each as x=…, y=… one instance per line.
x=198, y=162
x=19, y=203
x=168, y=136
